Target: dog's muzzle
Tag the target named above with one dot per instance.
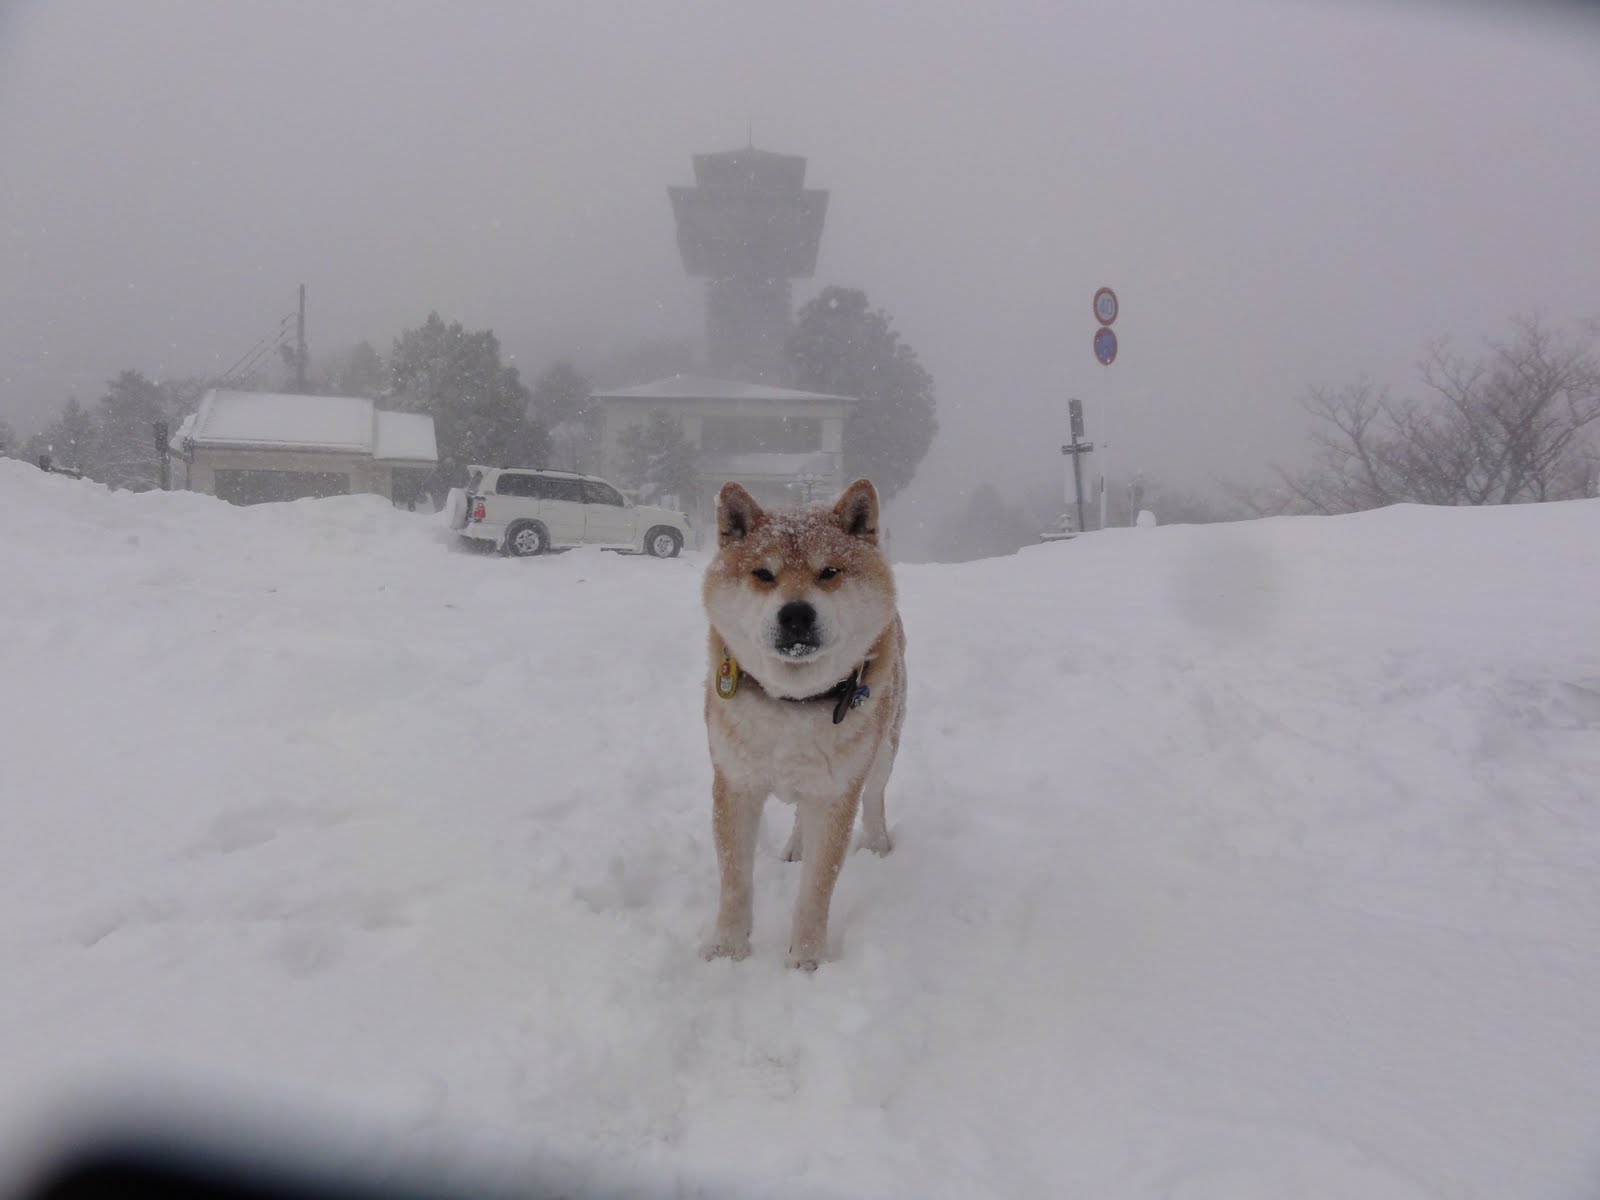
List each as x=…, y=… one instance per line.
x=796, y=635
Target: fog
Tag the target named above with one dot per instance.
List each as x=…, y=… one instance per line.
x=1281, y=193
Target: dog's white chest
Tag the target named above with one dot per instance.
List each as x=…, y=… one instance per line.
x=793, y=751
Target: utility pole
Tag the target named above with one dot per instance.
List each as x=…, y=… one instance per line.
x=163, y=453
x=300, y=346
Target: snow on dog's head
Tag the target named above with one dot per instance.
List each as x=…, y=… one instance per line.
x=799, y=595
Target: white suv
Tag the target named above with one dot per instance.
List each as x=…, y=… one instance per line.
x=524, y=511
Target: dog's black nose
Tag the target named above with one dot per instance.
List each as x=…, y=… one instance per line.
x=797, y=621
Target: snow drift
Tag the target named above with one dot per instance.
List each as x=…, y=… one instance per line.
x=1251, y=860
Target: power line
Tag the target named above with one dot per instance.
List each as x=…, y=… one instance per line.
x=253, y=357
x=247, y=370
x=248, y=361
x=256, y=347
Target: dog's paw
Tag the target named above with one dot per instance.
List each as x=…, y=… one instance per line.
x=805, y=958
x=725, y=946
x=879, y=843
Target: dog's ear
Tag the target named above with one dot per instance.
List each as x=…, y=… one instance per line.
x=737, y=513
x=857, y=511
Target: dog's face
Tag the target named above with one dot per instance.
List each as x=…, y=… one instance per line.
x=799, y=594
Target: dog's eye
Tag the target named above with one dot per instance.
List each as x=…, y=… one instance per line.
x=764, y=575
x=827, y=573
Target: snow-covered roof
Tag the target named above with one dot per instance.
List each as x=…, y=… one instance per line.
x=268, y=420
x=701, y=387
x=182, y=433
x=405, y=437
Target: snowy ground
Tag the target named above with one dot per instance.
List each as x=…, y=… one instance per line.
x=1246, y=861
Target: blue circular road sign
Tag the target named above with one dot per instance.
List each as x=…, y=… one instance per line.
x=1105, y=345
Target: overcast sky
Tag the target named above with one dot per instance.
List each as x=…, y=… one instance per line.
x=1281, y=192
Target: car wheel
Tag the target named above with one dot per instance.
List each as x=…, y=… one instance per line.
x=456, y=502
x=662, y=542
x=526, y=539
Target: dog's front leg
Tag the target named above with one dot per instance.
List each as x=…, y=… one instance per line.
x=735, y=820
x=825, y=827
x=794, y=851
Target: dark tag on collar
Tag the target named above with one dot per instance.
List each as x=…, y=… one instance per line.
x=851, y=694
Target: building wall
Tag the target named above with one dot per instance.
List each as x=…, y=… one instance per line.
x=409, y=484
x=364, y=474
x=770, y=478
x=620, y=415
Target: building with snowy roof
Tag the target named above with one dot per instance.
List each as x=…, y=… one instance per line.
x=255, y=447
x=782, y=444
x=748, y=226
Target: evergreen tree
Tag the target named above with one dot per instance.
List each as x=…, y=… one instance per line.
x=561, y=403
x=478, y=404
x=657, y=459
x=69, y=440
x=843, y=346
x=986, y=527
x=561, y=394
x=357, y=372
x=125, y=454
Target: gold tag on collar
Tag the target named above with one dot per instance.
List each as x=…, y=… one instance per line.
x=727, y=677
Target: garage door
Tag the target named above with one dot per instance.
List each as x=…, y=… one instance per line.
x=266, y=487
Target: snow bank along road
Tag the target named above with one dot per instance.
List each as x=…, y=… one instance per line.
x=1244, y=861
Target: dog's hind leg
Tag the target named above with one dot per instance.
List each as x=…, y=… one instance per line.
x=874, y=826
x=735, y=821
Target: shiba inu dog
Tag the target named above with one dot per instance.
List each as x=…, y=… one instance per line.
x=805, y=696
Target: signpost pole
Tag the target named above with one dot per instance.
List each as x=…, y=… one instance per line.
x=1077, y=477
x=1106, y=308
x=1077, y=450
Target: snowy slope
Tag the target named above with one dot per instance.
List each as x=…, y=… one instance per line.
x=1244, y=861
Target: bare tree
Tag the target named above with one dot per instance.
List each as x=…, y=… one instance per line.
x=1516, y=425
x=1353, y=467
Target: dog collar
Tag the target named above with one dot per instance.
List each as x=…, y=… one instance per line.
x=848, y=693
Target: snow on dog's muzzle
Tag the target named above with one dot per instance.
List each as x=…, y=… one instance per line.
x=797, y=635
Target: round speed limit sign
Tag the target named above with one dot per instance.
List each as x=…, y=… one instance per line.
x=1105, y=306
